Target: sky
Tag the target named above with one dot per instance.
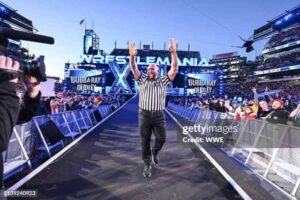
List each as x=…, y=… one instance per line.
x=210, y=26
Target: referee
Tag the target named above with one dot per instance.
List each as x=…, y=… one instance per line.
x=152, y=97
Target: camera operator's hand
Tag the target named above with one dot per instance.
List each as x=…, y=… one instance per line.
x=32, y=85
x=8, y=63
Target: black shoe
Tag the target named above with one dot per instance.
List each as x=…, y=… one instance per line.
x=147, y=171
x=155, y=158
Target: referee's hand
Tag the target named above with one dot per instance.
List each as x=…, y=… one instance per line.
x=132, y=49
x=9, y=63
x=173, y=46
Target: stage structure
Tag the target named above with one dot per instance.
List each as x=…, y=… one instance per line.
x=99, y=72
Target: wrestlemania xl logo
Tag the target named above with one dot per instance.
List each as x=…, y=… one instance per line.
x=121, y=73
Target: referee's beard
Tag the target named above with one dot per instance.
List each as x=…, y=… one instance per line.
x=152, y=71
x=152, y=76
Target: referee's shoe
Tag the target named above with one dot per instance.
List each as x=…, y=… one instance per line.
x=147, y=171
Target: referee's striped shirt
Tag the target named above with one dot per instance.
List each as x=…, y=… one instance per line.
x=152, y=93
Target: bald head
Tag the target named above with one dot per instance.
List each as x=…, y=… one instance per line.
x=152, y=71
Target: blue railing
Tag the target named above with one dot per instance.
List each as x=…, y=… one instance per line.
x=49, y=134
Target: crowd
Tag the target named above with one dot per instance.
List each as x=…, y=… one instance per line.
x=285, y=58
x=65, y=102
x=282, y=60
x=286, y=88
x=284, y=37
x=273, y=108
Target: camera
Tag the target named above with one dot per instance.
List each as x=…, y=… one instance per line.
x=29, y=65
x=35, y=68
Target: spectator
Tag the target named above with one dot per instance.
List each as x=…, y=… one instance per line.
x=249, y=113
x=278, y=113
x=263, y=110
x=220, y=106
x=296, y=116
x=42, y=108
x=54, y=104
x=234, y=109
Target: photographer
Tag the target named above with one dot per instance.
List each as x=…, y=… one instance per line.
x=9, y=107
x=12, y=110
x=31, y=99
x=9, y=102
x=296, y=116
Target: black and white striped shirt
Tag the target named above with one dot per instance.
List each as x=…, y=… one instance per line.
x=152, y=93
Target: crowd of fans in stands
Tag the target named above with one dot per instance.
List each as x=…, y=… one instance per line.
x=282, y=60
x=249, y=100
x=284, y=37
x=285, y=88
x=65, y=102
x=273, y=108
x=285, y=58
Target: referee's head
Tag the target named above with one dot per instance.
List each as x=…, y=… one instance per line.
x=152, y=71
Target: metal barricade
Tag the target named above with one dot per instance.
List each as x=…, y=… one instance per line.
x=102, y=111
x=90, y=113
x=19, y=148
x=271, y=150
x=81, y=121
x=86, y=117
x=73, y=124
x=29, y=137
x=61, y=122
x=41, y=142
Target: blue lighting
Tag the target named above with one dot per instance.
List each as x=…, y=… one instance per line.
x=120, y=75
x=3, y=10
x=287, y=17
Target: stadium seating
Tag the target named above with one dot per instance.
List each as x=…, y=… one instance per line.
x=284, y=37
x=282, y=60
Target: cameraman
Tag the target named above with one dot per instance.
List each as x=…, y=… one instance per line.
x=11, y=107
x=31, y=99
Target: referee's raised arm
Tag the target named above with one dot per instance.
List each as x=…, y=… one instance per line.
x=174, y=65
x=133, y=52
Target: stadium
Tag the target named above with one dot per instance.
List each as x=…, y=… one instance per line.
x=222, y=127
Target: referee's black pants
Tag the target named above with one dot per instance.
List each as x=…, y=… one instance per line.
x=151, y=122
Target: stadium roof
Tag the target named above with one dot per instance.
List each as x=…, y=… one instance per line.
x=10, y=16
x=283, y=21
